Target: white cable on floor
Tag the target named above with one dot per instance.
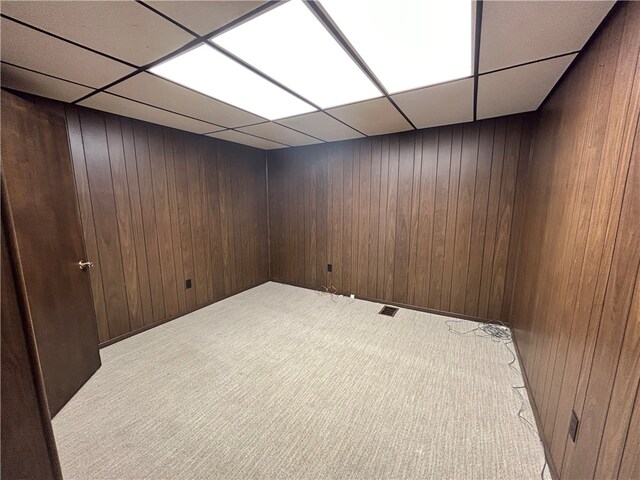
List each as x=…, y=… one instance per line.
x=502, y=334
x=333, y=292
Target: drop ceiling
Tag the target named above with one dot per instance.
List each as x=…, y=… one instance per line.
x=359, y=66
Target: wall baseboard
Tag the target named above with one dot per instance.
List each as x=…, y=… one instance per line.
x=359, y=297
x=401, y=305
x=173, y=317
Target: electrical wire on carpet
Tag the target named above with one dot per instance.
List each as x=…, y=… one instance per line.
x=496, y=333
x=502, y=334
x=333, y=292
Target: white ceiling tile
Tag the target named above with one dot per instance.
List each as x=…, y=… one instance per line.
x=321, y=125
x=515, y=32
x=31, y=49
x=244, y=139
x=409, y=44
x=290, y=45
x=125, y=29
x=210, y=72
x=280, y=134
x=128, y=108
x=520, y=89
x=43, y=85
x=444, y=104
x=204, y=17
x=373, y=117
x=157, y=91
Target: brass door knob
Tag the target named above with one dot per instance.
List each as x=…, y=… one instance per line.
x=84, y=265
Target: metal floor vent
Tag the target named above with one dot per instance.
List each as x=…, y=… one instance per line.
x=388, y=311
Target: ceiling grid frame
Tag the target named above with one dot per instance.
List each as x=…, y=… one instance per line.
x=208, y=40
x=476, y=56
x=324, y=19
x=333, y=29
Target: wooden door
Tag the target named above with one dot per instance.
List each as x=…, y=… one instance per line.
x=42, y=202
x=27, y=444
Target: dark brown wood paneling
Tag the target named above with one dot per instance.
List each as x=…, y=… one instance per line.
x=423, y=232
x=160, y=206
x=575, y=257
x=115, y=140
x=184, y=219
x=452, y=211
x=479, y=217
x=493, y=203
x=513, y=155
x=97, y=164
x=149, y=225
x=160, y=202
x=439, y=219
x=403, y=217
x=405, y=200
x=630, y=463
x=466, y=192
x=137, y=227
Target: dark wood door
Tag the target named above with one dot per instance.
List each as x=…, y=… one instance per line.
x=27, y=444
x=38, y=174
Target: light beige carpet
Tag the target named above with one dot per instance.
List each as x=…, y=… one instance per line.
x=282, y=382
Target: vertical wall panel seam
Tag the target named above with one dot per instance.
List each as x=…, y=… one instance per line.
x=135, y=249
x=115, y=208
x=163, y=132
x=512, y=203
x=626, y=437
x=497, y=225
x=433, y=212
x=418, y=216
x=155, y=219
x=266, y=178
x=144, y=233
x=179, y=279
x=486, y=217
x=473, y=211
x=455, y=221
x=393, y=278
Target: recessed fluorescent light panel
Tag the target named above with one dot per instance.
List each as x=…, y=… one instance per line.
x=289, y=44
x=210, y=72
x=408, y=44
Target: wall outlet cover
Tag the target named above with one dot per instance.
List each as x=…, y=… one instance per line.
x=573, y=426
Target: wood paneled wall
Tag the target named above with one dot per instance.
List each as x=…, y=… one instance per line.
x=160, y=206
x=576, y=296
x=421, y=218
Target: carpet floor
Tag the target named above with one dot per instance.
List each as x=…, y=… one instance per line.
x=284, y=382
